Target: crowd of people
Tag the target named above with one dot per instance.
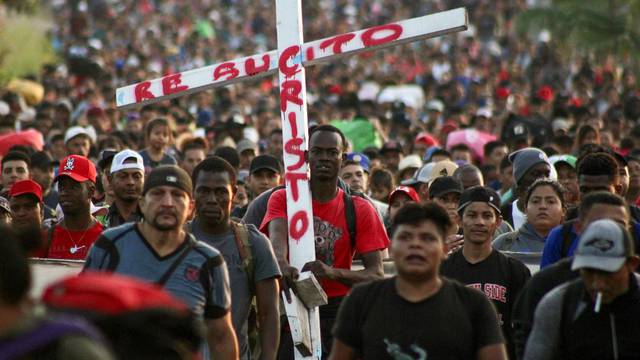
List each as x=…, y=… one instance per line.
x=458, y=159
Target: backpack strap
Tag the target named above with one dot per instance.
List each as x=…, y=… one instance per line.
x=165, y=277
x=111, y=255
x=241, y=235
x=350, y=214
x=565, y=235
x=110, y=251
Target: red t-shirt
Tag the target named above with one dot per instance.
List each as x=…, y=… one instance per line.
x=76, y=247
x=333, y=246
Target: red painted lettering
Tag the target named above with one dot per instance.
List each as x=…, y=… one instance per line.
x=142, y=91
x=290, y=91
x=298, y=225
x=292, y=147
x=310, y=53
x=369, y=39
x=225, y=69
x=293, y=179
x=337, y=42
x=288, y=53
x=171, y=84
x=294, y=126
x=250, y=65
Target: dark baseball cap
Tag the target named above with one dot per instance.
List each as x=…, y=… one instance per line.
x=391, y=146
x=479, y=194
x=106, y=156
x=168, y=175
x=444, y=185
x=265, y=161
x=518, y=131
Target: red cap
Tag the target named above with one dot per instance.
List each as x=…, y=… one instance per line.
x=426, y=139
x=26, y=187
x=504, y=75
x=407, y=190
x=95, y=111
x=545, y=93
x=575, y=102
x=335, y=89
x=108, y=294
x=502, y=92
x=77, y=167
x=448, y=127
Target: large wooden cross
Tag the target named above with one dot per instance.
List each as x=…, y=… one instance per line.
x=289, y=61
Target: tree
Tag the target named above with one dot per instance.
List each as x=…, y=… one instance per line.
x=21, y=6
x=24, y=46
x=597, y=27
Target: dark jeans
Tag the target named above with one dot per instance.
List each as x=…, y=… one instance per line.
x=328, y=314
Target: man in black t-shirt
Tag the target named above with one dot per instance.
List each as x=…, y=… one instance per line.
x=417, y=314
x=478, y=265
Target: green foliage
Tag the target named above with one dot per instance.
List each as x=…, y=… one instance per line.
x=21, y=6
x=600, y=27
x=24, y=46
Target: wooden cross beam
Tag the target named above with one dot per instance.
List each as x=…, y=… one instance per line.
x=314, y=52
x=289, y=61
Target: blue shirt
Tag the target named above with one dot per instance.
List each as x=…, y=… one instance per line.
x=553, y=246
x=201, y=279
x=150, y=164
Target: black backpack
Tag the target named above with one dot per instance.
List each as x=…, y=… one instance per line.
x=565, y=235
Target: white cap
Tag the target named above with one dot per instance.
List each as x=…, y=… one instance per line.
x=560, y=124
x=246, y=144
x=410, y=161
x=486, y=112
x=4, y=108
x=422, y=175
x=79, y=130
x=436, y=105
x=119, y=163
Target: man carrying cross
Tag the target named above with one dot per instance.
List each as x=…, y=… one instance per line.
x=289, y=61
x=334, y=247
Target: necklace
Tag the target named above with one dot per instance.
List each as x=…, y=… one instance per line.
x=75, y=247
